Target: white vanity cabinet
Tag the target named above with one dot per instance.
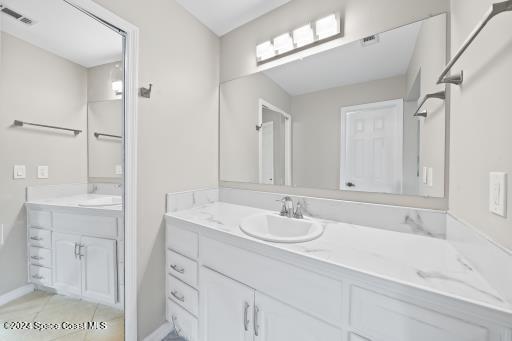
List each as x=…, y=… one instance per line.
x=77, y=252
x=254, y=291
x=231, y=311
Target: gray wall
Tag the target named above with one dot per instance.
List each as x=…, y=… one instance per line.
x=178, y=129
x=361, y=18
x=481, y=118
x=239, y=102
x=40, y=87
x=316, y=128
x=428, y=60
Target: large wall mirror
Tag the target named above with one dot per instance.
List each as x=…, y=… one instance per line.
x=343, y=119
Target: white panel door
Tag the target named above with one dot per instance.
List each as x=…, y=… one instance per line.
x=66, y=263
x=372, y=147
x=99, y=276
x=226, y=308
x=275, y=321
x=267, y=150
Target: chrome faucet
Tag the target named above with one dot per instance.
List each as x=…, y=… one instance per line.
x=287, y=208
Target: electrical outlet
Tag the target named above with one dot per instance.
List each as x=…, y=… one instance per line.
x=119, y=170
x=498, y=193
x=42, y=172
x=19, y=172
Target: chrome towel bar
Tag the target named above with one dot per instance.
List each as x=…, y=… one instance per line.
x=495, y=9
x=439, y=95
x=98, y=135
x=18, y=123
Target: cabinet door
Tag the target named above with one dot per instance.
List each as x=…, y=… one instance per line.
x=275, y=321
x=99, y=273
x=226, y=308
x=66, y=263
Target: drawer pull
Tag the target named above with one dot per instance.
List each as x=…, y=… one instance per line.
x=178, y=268
x=178, y=296
x=256, y=325
x=38, y=239
x=39, y=277
x=246, y=316
x=37, y=257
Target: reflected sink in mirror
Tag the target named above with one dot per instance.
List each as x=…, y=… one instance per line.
x=278, y=229
x=103, y=201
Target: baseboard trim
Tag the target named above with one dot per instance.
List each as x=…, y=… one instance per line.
x=16, y=293
x=160, y=332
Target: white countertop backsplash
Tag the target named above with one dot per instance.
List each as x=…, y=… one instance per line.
x=372, y=239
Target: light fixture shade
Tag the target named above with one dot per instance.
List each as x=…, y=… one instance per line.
x=303, y=36
x=117, y=87
x=327, y=27
x=116, y=77
x=283, y=43
x=265, y=50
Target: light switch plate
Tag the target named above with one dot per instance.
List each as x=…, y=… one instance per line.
x=119, y=170
x=498, y=193
x=20, y=172
x=42, y=172
x=425, y=175
x=430, y=177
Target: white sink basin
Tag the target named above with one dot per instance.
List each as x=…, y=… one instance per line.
x=102, y=201
x=278, y=229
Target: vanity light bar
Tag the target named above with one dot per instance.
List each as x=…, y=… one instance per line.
x=309, y=35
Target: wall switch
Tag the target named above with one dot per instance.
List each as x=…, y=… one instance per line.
x=430, y=177
x=425, y=175
x=42, y=172
x=119, y=170
x=20, y=172
x=498, y=193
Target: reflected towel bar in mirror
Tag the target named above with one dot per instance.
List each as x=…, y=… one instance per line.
x=18, y=123
x=495, y=9
x=98, y=135
x=439, y=95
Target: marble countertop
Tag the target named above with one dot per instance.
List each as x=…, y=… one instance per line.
x=100, y=202
x=422, y=262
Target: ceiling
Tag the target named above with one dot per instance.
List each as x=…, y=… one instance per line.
x=63, y=30
x=350, y=63
x=222, y=16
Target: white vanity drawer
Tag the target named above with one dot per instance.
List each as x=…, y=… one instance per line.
x=305, y=290
x=41, y=275
x=182, y=268
x=183, y=294
x=40, y=238
x=90, y=225
x=40, y=256
x=386, y=318
x=182, y=241
x=38, y=218
x=185, y=323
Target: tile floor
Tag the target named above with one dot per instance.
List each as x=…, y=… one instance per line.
x=45, y=307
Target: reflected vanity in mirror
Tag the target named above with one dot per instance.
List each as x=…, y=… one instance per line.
x=349, y=118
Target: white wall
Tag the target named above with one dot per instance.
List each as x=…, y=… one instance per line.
x=39, y=87
x=481, y=118
x=239, y=102
x=99, y=81
x=316, y=128
x=361, y=18
x=178, y=129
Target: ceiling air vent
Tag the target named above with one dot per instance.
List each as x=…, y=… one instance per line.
x=370, y=40
x=15, y=15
